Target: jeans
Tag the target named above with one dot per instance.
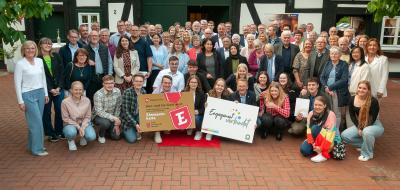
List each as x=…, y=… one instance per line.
x=307, y=149
x=199, y=122
x=58, y=123
x=34, y=105
x=275, y=123
x=70, y=132
x=367, y=140
x=105, y=125
x=130, y=134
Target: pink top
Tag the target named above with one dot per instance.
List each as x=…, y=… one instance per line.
x=78, y=114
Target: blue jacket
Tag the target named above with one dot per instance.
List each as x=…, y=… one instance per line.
x=340, y=86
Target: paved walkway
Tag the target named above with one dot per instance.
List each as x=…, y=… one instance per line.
x=265, y=164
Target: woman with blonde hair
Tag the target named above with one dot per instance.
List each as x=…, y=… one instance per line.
x=242, y=73
x=179, y=50
x=274, y=111
x=31, y=89
x=365, y=124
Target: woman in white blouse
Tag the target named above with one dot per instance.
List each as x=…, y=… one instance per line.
x=379, y=67
x=31, y=89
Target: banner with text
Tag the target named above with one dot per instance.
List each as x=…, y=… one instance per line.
x=168, y=111
x=230, y=119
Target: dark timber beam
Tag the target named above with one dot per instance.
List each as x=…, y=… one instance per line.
x=253, y=12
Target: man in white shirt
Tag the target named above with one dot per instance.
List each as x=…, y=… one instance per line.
x=178, y=82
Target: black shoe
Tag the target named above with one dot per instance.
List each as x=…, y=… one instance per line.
x=53, y=139
x=264, y=135
x=62, y=137
x=279, y=137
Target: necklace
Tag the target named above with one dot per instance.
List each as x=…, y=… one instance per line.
x=81, y=71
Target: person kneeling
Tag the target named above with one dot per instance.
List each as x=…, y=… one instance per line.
x=107, y=107
x=321, y=131
x=130, y=109
x=76, y=113
x=363, y=110
x=274, y=111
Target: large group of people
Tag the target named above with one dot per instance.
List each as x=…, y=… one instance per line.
x=94, y=81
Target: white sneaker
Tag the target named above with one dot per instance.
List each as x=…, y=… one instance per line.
x=44, y=153
x=189, y=132
x=318, y=158
x=101, y=140
x=208, y=137
x=72, y=145
x=83, y=141
x=157, y=137
x=198, y=135
x=138, y=136
x=364, y=158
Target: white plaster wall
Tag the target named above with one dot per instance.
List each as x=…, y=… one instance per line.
x=308, y=4
x=88, y=3
x=315, y=18
x=115, y=13
x=262, y=9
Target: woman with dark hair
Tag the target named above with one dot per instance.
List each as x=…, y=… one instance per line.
x=365, y=126
x=79, y=70
x=126, y=63
x=274, y=111
x=53, y=69
x=262, y=84
x=291, y=90
x=321, y=132
x=358, y=69
x=232, y=62
x=378, y=63
x=160, y=55
x=209, y=62
x=193, y=85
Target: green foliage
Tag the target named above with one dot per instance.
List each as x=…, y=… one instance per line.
x=13, y=11
x=381, y=8
x=345, y=19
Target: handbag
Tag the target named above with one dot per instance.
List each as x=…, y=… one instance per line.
x=339, y=151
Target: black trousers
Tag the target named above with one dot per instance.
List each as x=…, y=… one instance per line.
x=275, y=124
x=106, y=126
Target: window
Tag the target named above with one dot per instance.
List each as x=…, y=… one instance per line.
x=390, y=34
x=88, y=18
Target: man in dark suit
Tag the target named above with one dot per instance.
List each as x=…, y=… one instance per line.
x=246, y=30
x=243, y=95
x=318, y=58
x=271, y=63
x=224, y=51
x=67, y=52
x=288, y=51
x=217, y=39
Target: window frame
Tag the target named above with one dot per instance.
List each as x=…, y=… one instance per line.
x=396, y=41
x=89, y=14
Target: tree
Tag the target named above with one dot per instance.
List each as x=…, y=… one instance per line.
x=381, y=8
x=13, y=11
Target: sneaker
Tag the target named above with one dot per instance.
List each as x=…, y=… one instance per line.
x=364, y=158
x=83, y=142
x=101, y=140
x=358, y=149
x=189, y=132
x=44, y=153
x=318, y=158
x=198, y=135
x=53, y=139
x=71, y=145
x=157, y=137
x=138, y=136
x=208, y=137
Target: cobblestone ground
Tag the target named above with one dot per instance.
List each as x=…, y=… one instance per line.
x=265, y=164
